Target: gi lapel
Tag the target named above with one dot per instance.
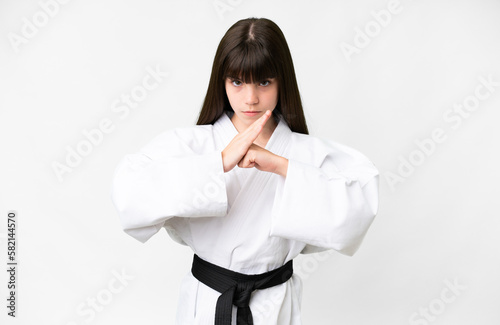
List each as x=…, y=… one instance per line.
x=256, y=181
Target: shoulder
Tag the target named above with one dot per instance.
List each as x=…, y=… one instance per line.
x=315, y=150
x=181, y=140
x=196, y=136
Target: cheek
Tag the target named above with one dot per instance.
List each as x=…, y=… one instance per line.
x=231, y=95
x=273, y=95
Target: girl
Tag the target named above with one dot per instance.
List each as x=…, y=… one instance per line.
x=247, y=188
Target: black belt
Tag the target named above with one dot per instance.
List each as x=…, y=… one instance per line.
x=236, y=288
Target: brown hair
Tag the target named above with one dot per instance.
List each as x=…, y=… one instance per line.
x=254, y=49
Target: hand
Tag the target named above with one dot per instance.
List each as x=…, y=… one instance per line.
x=264, y=160
x=238, y=147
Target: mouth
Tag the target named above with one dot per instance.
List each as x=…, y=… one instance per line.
x=251, y=113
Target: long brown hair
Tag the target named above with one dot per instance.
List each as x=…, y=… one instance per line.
x=254, y=49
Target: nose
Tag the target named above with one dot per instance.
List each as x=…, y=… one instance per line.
x=251, y=96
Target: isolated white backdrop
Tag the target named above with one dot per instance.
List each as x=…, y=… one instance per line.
x=432, y=254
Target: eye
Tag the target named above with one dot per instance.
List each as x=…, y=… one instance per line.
x=236, y=82
x=265, y=83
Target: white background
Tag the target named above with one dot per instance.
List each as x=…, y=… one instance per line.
x=439, y=223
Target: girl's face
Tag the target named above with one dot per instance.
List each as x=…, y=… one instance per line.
x=250, y=101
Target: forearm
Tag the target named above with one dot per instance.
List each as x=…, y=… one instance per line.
x=281, y=166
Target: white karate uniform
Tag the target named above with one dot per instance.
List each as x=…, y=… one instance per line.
x=246, y=220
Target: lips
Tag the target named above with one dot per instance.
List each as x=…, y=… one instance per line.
x=252, y=113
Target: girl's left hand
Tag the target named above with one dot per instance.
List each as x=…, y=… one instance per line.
x=263, y=160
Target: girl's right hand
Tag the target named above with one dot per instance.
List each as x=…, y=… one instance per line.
x=238, y=147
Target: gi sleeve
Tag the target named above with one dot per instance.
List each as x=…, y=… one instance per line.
x=330, y=206
x=167, y=179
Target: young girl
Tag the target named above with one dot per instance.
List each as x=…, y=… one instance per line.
x=247, y=188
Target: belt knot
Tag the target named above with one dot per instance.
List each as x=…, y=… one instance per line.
x=243, y=293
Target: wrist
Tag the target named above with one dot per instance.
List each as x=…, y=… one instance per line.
x=281, y=166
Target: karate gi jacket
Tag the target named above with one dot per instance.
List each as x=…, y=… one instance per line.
x=246, y=220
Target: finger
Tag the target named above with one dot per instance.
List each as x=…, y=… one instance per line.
x=260, y=122
x=246, y=164
x=257, y=126
x=263, y=119
x=245, y=161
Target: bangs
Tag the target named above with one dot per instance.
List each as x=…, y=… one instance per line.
x=249, y=62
